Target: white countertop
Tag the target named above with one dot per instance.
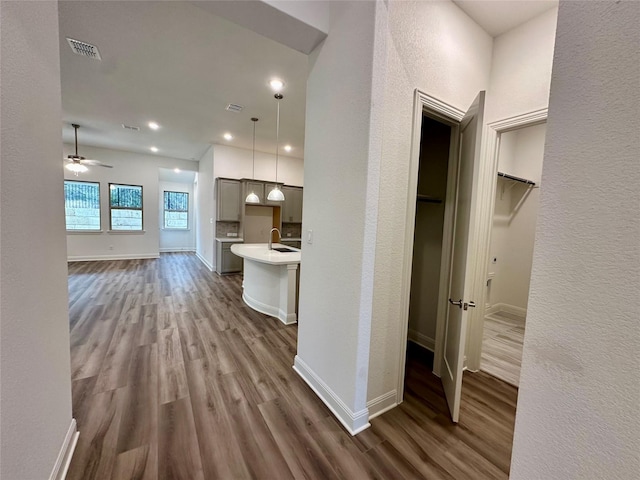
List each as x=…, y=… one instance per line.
x=229, y=239
x=259, y=252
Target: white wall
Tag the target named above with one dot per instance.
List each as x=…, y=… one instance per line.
x=577, y=411
x=172, y=240
x=340, y=206
x=234, y=162
x=521, y=68
x=128, y=168
x=435, y=47
x=205, y=210
x=515, y=216
x=35, y=392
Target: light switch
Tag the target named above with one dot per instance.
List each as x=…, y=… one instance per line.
x=309, y=236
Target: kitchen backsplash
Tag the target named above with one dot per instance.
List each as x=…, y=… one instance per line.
x=222, y=228
x=293, y=230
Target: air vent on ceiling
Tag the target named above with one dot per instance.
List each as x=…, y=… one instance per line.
x=232, y=107
x=83, y=48
x=129, y=127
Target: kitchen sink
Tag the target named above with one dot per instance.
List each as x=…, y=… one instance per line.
x=283, y=249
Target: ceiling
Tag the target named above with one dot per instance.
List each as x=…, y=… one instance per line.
x=178, y=64
x=499, y=16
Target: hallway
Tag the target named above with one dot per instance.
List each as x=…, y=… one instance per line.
x=174, y=377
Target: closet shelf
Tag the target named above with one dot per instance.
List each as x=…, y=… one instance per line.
x=516, y=179
x=428, y=199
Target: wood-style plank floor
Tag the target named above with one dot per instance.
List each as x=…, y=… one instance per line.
x=175, y=378
x=502, y=342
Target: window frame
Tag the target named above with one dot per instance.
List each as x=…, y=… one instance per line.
x=164, y=211
x=84, y=230
x=111, y=208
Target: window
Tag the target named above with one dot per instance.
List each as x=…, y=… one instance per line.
x=82, y=205
x=125, y=202
x=176, y=210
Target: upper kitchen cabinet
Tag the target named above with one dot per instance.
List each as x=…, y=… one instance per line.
x=292, y=205
x=228, y=200
x=267, y=188
x=255, y=187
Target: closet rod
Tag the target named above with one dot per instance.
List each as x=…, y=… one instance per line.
x=517, y=179
x=428, y=199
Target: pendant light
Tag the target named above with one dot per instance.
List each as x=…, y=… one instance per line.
x=276, y=194
x=252, y=197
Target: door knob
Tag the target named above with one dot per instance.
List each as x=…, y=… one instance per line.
x=458, y=303
x=466, y=306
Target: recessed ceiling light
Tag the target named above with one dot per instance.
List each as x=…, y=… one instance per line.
x=276, y=84
x=177, y=170
x=287, y=148
x=228, y=136
x=154, y=126
x=154, y=149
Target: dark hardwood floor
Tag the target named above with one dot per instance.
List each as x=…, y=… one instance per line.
x=175, y=378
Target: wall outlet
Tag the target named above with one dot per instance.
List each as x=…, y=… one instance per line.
x=230, y=234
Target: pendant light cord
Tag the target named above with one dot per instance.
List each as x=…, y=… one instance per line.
x=75, y=127
x=277, y=136
x=254, y=147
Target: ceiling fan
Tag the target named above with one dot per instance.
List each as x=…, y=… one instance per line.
x=78, y=164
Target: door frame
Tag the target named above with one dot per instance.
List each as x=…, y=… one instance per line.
x=449, y=115
x=485, y=207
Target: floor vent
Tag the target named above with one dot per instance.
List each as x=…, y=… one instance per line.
x=232, y=107
x=83, y=48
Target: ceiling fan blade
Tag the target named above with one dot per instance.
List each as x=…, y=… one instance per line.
x=96, y=163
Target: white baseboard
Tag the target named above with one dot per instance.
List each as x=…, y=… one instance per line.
x=354, y=422
x=207, y=264
x=61, y=466
x=382, y=404
x=284, y=317
x=422, y=340
x=133, y=256
x=505, y=307
x=177, y=249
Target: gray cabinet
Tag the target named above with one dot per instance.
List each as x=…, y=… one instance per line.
x=267, y=188
x=255, y=187
x=226, y=260
x=292, y=205
x=291, y=243
x=228, y=200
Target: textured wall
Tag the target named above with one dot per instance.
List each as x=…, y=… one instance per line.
x=435, y=47
x=132, y=169
x=336, y=270
x=579, y=388
x=521, y=68
x=35, y=392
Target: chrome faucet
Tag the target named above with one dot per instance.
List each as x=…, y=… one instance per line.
x=270, y=233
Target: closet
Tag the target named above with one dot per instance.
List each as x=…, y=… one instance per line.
x=520, y=157
x=435, y=147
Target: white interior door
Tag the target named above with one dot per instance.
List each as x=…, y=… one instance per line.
x=461, y=278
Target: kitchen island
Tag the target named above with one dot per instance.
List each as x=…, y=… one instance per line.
x=269, y=284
